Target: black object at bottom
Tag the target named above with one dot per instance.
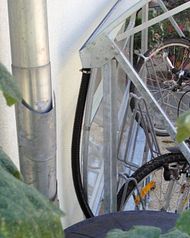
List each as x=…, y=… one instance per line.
x=97, y=227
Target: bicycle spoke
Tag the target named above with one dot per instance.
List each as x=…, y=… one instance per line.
x=156, y=74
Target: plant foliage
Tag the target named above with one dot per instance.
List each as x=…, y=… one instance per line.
x=183, y=222
x=181, y=230
x=24, y=212
x=183, y=127
x=9, y=87
x=8, y=165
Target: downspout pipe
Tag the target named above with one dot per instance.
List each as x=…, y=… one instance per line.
x=36, y=127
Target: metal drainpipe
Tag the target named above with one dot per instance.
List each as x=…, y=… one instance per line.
x=31, y=68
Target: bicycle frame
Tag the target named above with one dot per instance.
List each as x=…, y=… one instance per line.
x=100, y=51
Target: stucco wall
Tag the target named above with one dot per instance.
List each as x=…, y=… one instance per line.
x=8, y=137
x=70, y=24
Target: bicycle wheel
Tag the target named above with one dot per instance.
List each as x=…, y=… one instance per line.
x=155, y=72
x=88, y=143
x=160, y=185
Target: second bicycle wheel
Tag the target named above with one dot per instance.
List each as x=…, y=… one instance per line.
x=156, y=74
x=159, y=184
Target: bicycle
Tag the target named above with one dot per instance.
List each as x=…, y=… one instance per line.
x=169, y=167
x=164, y=70
x=103, y=50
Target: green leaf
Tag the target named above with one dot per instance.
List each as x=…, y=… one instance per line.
x=136, y=232
x=10, y=100
x=144, y=232
x=175, y=234
x=116, y=233
x=9, y=87
x=7, y=164
x=24, y=212
x=183, y=222
x=183, y=127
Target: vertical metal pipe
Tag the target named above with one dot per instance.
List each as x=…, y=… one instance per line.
x=30, y=51
x=31, y=68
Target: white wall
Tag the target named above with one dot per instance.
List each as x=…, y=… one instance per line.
x=8, y=137
x=70, y=24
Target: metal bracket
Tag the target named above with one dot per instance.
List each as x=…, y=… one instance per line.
x=97, y=53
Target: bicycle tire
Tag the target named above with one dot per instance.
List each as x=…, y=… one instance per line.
x=76, y=172
x=181, y=42
x=147, y=169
